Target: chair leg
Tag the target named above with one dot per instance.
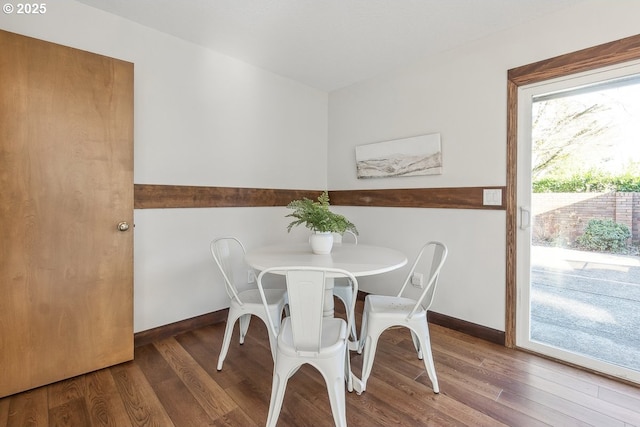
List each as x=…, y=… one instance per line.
x=370, y=345
x=425, y=347
x=273, y=339
x=278, y=387
x=228, y=331
x=347, y=369
x=335, y=387
x=416, y=344
x=354, y=332
x=245, y=319
x=363, y=330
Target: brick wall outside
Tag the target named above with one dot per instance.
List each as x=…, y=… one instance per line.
x=564, y=216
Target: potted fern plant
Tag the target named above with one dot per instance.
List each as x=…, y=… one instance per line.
x=316, y=216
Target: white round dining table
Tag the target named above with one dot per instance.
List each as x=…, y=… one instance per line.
x=360, y=260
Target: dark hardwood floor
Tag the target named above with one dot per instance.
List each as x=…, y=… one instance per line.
x=174, y=382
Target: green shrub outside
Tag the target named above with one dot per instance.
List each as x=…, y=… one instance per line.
x=604, y=235
x=589, y=182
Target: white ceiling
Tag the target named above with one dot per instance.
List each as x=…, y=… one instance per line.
x=329, y=44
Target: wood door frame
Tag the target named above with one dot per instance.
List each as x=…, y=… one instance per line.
x=616, y=52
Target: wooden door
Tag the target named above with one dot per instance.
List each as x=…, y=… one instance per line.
x=66, y=181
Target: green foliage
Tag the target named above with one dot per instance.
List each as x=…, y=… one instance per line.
x=316, y=216
x=604, y=235
x=589, y=182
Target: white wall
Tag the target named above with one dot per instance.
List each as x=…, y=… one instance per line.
x=472, y=284
x=201, y=118
x=462, y=95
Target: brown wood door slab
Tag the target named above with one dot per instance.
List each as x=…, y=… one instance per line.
x=66, y=181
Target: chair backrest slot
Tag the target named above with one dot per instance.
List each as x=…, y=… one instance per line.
x=306, y=304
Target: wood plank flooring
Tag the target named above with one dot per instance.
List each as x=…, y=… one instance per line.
x=174, y=382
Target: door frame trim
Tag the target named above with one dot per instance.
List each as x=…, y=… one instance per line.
x=612, y=53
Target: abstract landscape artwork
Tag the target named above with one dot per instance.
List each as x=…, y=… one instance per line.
x=418, y=155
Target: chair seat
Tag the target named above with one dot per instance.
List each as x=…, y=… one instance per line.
x=392, y=306
x=252, y=296
x=334, y=332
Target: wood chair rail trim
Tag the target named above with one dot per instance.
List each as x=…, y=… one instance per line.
x=150, y=196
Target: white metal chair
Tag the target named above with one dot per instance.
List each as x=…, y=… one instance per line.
x=342, y=287
x=382, y=312
x=306, y=336
x=228, y=253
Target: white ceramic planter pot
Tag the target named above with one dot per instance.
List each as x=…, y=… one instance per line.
x=321, y=243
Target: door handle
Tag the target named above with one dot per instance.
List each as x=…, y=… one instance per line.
x=525, y=218
x=123, y=226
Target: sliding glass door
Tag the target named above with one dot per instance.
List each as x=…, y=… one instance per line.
x=578, y=284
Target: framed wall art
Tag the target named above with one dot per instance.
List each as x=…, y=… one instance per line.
x=418, y=155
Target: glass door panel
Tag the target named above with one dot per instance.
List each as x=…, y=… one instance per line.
x=579, y=201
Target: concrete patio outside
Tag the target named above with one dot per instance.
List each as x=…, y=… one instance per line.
x=587, y=303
